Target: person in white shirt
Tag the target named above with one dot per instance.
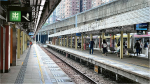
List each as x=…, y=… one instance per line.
x=146, y=46
x=141, y=46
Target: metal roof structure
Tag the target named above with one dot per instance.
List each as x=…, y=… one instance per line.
x=41, y=10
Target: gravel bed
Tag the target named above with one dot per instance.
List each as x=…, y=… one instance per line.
x=73, y=74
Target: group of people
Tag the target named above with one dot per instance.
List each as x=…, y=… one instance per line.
x=104, y=46
x=29, y=43
x=139, y=46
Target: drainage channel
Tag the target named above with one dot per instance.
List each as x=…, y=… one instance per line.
x=105, y=73
x=20, y=77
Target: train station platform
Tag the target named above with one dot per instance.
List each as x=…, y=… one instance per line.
x=35, y=67
x=134, y=68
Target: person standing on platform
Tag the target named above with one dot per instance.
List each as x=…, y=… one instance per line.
x=30, y=44
x=104, y=46
x=146, y=46
x=91, y=43
x=137, y=46
x=141, y=45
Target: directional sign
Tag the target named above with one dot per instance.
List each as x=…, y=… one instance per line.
x=19, y=14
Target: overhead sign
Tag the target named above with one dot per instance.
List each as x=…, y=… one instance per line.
x=31, y=33
x=19, y=14
x=142, y=26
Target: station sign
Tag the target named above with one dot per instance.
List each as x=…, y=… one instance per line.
x=19, y=14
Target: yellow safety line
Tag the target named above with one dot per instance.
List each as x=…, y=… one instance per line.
x=40, y=68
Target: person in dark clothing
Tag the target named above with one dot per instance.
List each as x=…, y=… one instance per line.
x=137, y=46
x=104, y=46
x=91, y=43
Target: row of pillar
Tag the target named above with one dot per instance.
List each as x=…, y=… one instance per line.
x=91, y=36
x=12, y=44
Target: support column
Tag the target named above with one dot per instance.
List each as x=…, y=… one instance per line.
x=128, y=41
x=7, y=57
x=61, y=41
x=38, y=37
x=11, y=45
x=103, y=36
x=22, y=42
x=64, y=41
x=71, y=42
x=14, y=56
x=82, y=42
x=18, y=44
x=100, y=42
x=76, y=42
x=91, y=37
x=1, y=49
x=121, y=45
x=67, y=41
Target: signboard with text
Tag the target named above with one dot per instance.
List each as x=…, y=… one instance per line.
x=20, y=14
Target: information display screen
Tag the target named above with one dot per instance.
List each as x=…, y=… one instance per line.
x=142, y=26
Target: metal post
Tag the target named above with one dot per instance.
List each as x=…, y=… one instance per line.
x=121, y=46
x=91, y=37
x=38, y=37
x=18, y=44
x=71, y=42
x=61, y=41
x=67, y=41
x=64, y=41
x=76, y=42
x=128, y=39
x=82, y=42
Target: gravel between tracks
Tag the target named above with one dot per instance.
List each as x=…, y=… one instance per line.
x=73, y=74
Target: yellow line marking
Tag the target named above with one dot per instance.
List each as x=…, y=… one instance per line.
x=40, y=68
x=22, y=63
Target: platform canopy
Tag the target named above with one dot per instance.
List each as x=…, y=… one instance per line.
x=41, y=10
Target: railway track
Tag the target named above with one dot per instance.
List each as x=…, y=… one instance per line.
x=80, y=74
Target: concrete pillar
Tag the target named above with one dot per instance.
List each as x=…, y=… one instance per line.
x=128, y=41
x=91, y=37
x=76, y=42
x=121, y=45
x=100, y=42
x=7, y=56
x=71, y=42
x=18, y=44
x=67, y=41
x=21, y=42
x=103, y=36
x=1, y=48
x=38, y=37
x=14, y=56
x=61, y=41
x=11, y=45
x=82, y=42
x=64, y=41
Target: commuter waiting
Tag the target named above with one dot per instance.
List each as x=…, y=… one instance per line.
x=91, y=43
x=137, y=46
x=104, y=46
x=146, y=46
